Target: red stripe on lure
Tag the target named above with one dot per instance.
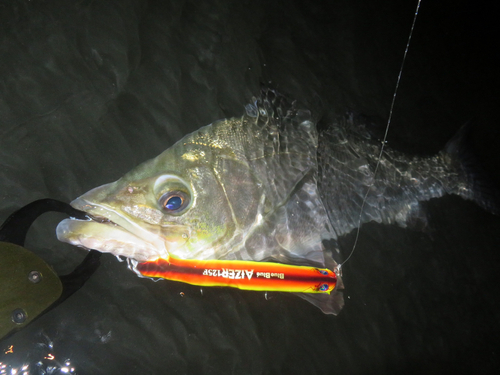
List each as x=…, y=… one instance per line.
x=262, y=276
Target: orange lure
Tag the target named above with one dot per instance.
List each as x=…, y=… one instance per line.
x=248, y=275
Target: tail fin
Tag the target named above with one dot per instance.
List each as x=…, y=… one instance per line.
x=478, y=186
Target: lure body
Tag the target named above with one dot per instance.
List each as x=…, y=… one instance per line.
x=247, y=275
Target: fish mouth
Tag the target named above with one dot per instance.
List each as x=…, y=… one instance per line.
x=109, y=231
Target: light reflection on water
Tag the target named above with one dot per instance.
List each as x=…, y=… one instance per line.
x=41, y=368
x=47, y=363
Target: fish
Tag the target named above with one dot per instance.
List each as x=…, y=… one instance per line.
x=265, y=187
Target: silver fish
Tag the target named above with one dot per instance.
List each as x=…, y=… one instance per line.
x=263, y=187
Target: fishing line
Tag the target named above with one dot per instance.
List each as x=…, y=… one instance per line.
x=384, y=140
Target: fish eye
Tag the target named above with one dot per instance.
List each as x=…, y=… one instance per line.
x=174, y=202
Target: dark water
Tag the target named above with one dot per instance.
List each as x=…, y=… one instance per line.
x=91, y=88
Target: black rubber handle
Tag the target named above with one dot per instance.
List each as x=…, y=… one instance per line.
x=16, y=226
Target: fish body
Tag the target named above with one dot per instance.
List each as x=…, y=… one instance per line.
x=263, y=187
x=348, y=158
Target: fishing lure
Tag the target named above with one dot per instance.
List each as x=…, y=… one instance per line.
x=247, y=275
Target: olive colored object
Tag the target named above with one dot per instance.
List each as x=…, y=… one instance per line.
x=28, y=286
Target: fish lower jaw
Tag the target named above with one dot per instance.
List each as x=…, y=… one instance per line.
x=118, y=248
x=108, y=239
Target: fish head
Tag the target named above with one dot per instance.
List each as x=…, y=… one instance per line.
x=195, y=200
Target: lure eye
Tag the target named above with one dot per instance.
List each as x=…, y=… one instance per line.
x=174, y=202
x=323, y=287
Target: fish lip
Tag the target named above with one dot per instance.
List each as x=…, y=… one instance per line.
x=110, y=216
x=89, y=207
x=153, y=246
